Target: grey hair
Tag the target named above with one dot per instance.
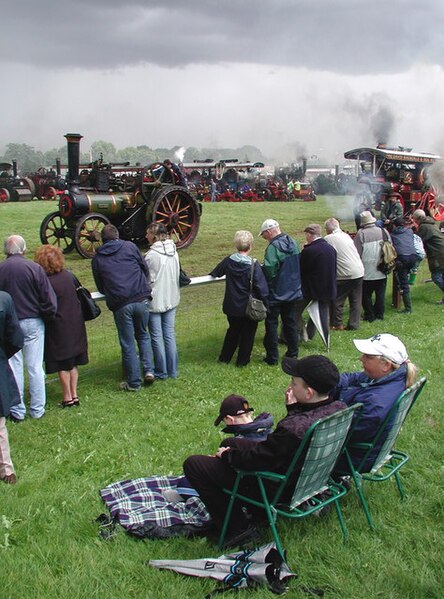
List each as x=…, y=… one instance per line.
x=419, y=215
x=243, y=241
x=14, y=244
x=331, y=224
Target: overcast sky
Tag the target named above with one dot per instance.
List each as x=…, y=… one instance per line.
x=316, y=77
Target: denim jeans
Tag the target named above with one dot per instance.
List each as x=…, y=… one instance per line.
x=34, y=331
x=163, y=339
x=132, y=326
x=438, y=278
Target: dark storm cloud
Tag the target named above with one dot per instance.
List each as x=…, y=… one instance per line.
x=340, y=36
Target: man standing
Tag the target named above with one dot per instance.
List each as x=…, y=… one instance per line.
x=307, y=400
x=318, y=274
x=35, y=301
x=433, y=241
x=349, y=276
x=121, y=275
x=391, y=210
x=11, y=341
x=282, y=271
x=368, y=243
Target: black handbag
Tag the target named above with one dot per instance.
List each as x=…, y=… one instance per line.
x=255, y=309
x=184, y=279
x=90, y=309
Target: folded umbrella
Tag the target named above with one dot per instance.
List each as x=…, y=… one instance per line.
x=243, y=569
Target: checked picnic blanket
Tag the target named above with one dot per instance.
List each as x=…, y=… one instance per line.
x=157, y=507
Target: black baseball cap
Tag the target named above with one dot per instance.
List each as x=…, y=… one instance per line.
x=317, y=371
x=232, y=405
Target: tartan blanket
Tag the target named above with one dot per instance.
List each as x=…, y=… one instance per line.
x=149, y=507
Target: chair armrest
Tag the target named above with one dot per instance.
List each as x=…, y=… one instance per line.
x=261, y=474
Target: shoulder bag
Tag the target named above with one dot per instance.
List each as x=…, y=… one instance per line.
x=387, y=257
x=255, y=309
x=90, y=309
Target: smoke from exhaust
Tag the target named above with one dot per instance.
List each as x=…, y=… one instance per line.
x=179, y=154
x=382, y=123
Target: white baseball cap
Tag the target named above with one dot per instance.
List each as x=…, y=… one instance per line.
x=385, y=345
x=268, y=224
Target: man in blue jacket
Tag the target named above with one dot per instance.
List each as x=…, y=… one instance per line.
x=282, y=271
x=121, y=274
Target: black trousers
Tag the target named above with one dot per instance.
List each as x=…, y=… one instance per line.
x=373, y=309
x=287, y=312
x=209, y=476
x=240, y=333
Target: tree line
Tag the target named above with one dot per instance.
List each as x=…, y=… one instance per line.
x=29, y=159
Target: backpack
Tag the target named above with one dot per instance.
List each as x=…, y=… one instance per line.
x=387, y=257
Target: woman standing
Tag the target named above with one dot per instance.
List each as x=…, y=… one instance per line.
x=65, y=335
x=163, y=266
x=238, y=269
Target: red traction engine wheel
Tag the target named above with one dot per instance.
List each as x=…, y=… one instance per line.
x=433, y=205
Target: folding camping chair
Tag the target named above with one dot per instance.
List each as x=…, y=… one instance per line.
x=322, y=444
x=389, y=461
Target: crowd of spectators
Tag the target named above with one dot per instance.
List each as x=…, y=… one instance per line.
x=41, y=321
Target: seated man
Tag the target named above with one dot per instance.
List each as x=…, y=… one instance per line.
x=387, y=373
x=235, y=412
x=307, y=399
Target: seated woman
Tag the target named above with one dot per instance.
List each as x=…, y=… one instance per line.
x=239, y=268
x=66, y=344
x=387, y=373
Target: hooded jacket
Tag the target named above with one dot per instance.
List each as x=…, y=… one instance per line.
x=282, y=269
x=163, y=266
x=121, y=274
x=433, y=241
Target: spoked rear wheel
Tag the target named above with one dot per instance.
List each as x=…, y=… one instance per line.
x=179, y=212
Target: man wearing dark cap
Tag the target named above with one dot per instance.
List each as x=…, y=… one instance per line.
x=307, y=399
x=318, y=275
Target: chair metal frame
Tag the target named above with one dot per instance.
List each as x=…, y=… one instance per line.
x=322, y=444
x=389, y=461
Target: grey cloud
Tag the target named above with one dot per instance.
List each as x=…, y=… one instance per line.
x=357, y=37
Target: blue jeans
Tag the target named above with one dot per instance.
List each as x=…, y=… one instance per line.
x=163, y=339
x=438, y=278
x=34, y=331
x=132, y=326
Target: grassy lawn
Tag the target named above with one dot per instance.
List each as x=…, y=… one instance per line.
x=49, y=546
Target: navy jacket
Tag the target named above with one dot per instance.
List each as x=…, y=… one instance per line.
x=11, y=341
x=318, y=270
x=402, y=239
x=121, y=274
x=258, y=430
x=237, y=269
x=377, y=397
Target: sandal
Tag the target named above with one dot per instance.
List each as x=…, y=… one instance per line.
x=69, y=404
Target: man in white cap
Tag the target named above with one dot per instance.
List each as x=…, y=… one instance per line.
x=282, y=271
x=387, y=373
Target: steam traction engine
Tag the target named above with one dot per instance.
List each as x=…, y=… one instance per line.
x=12, y=187
x=128, y=197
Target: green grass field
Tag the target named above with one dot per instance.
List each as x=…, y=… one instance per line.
x=49, y=546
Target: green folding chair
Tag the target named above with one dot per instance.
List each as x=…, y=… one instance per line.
x=314, y=489
x=389, y=461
